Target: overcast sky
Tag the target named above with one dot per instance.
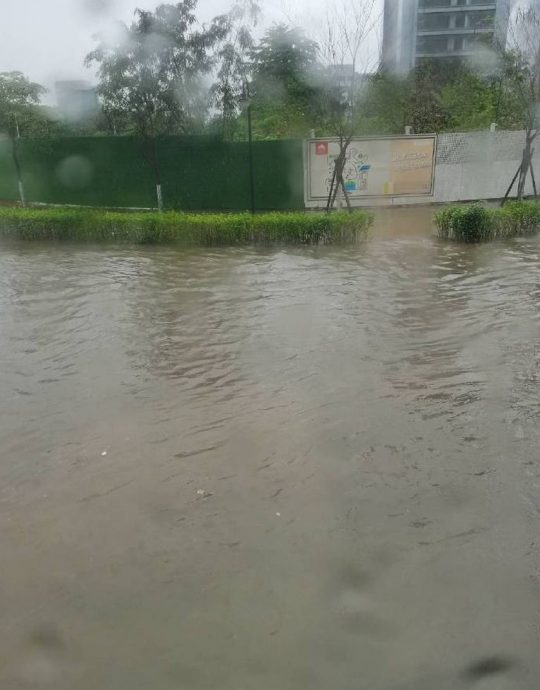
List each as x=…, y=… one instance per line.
x=48, y=39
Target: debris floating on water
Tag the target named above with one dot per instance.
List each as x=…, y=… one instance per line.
x=203, y=493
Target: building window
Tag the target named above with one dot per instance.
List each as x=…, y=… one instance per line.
x=433, y=22
x=481, y=20
x=431, y=45
x=435, y=3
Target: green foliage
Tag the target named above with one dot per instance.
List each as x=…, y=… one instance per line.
x=274, y=121
x=469, y=102
x=429, y=101
x=382, y=107
x=233, y=59
x=20, y=110
x=475, y=223
x=522, y=64
x=188, y=229
x=423, y=106
x=284, y=58
x=285, y=100
x=389, y=103
x=465, y=223
x=150, y=74
x=517, y=218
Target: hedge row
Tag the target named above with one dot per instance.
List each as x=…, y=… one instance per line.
x=186, y=228
x=476, y=223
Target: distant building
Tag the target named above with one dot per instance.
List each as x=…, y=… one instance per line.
x=440, y=29
x=77, y=100
x=344, y=77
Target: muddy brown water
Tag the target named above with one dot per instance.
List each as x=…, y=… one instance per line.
x=271, y=468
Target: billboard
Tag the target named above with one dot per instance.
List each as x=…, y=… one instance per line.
x=386, y=166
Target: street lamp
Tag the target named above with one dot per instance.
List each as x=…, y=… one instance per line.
x=246, y=98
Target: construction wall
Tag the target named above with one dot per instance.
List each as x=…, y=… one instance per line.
x=478, y=165
x=201, y=173
x=468, y=166
x=198, y=173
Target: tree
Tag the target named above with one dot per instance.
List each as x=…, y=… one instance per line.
x=522, y=71
x=424, y=110
x=284, y=65
x=284, y=58
x=233, y=58
x=345, y=50
x=151, y=74
x=383, y=108
x=20, y=114
x=470, y=102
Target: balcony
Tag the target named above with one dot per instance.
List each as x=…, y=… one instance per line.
x=447, y=54
x=448, y=4
x=455, y=8
x=456, y=30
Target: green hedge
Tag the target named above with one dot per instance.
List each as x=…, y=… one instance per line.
x=199, y=229
x=476, y=223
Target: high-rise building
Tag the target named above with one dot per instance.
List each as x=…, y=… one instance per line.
x=399, y=35
x=440, y=29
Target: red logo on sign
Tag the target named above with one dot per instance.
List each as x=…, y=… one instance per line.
x=321, y=149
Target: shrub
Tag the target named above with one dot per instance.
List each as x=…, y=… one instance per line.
x=186, y=228
x=465, y=223
x=475, y=223
x=517, y=218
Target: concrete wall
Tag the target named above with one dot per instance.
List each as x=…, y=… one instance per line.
x=471, y=166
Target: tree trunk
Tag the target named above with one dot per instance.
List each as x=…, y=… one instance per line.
x=337, y=178
x=533, y=178
x=17, y=164
x=526, y=163
x=522, y=172
x=157, y=173
x=149, y=147
x=331, y=190
x=346, y=195
x=159, y=196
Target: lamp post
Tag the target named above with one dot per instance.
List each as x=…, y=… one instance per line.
x=247, y=99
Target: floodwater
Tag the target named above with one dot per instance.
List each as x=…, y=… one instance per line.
x=271, y=468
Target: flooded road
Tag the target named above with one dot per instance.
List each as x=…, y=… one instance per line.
x=269, y=468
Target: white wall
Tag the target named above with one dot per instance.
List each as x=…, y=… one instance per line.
x=471, y=166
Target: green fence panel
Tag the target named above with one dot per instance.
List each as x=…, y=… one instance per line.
x=198, y=173
x=206, y=177
x=94, y=171
x=279, y=174
x=8, y=178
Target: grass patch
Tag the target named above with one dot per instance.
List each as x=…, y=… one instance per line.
x=90, y=225
x=476, y=223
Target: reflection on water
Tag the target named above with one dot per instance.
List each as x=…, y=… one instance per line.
x=271, y=468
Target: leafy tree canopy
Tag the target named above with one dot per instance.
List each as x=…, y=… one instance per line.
x=150, y=73
x=285, y=89
x=20, y=109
